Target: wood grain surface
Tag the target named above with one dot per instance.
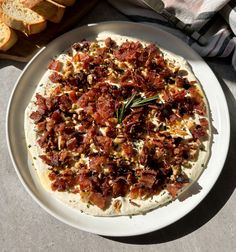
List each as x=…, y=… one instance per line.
x=27, y=46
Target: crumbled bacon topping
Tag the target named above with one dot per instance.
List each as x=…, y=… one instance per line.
x=89, y=151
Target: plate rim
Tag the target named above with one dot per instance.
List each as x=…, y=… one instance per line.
x=36, y=198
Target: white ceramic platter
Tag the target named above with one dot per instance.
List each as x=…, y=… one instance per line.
x=124, y=225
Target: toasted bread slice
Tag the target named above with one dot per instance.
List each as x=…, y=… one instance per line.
x=7, y=37
x=50, y=10
x=65, y=2
x=15, y=15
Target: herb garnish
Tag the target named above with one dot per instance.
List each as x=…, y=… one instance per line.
x=134, y=103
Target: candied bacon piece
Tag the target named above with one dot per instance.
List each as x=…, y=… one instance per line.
x=198, y=131
x=100, y=71
x=173, y=188
x=50, y=124
x=97, y=162
x=128, y=149
x=89, y=96
x=204, y=122
x=98, y=199
x=72, y=144
x=137, y=191
x=119, y=187
x=64, y=103
x=55, y=77
x=106, y=106
x=56, y=115
x=104, y=142
x=143, y=157
x=129, y=51
x=41, y=103
x=43, y=140
x=36, y=116
x=109, y=42
x=52, y=175
x=41, y=126
x=59, y=184
x=55, y=65
x=84, y=182
x=63, y=155
x=148, y=178
x=196, y=96
x=51, y=158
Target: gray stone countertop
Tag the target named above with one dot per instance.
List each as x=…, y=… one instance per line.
x=25, y=226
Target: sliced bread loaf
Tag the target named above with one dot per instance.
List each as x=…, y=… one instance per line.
x=15, y=15
x=50, y=10
x=66, y=2
x=7, y=37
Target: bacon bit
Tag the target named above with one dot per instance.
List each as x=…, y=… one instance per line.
x=144, y=155
x=60, y=127
x=63, y=156
x=105, y=143
x=72, y=144
x=55, y=77
x=129, y=51
x=55, y=65
x=56, y=115
x=73, y=97
x=49, y=103
x=198, y=131
x=59, y=185
x=148, y=178
x=52, y=158
x=36, y=116
x=43, y=140
x=119, y=187
x=105, y=106
x=204, y=122
x=52, y=176
x=97, y=162
x=174, y=188
x=41, y=103
x=64, y=103
x=84, y=182
x=196, y=96
x=128, y=149
x=50, y=125
x=109, y=42
x=159, y=82
x=98, y=199
x=41, y=126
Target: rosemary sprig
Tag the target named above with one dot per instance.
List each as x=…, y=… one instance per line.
x=134, y=103
x=140, y=102
x=121, y=111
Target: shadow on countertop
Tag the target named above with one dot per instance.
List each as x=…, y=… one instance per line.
x=213, y=202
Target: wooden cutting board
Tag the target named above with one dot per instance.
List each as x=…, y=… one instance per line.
x=27, y=46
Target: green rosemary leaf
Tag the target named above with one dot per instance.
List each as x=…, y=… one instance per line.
x=133, y=103
x=121, y=111
x=143, y=102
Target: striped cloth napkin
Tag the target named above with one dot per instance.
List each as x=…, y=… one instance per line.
x=215, y=19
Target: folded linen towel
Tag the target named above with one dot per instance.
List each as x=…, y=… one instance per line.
x=216, y=20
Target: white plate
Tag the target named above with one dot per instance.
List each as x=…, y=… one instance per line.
x=117, y=226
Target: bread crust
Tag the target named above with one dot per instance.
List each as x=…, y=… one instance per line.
x=50, y=10
x=20, y=24
x=10, y=37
